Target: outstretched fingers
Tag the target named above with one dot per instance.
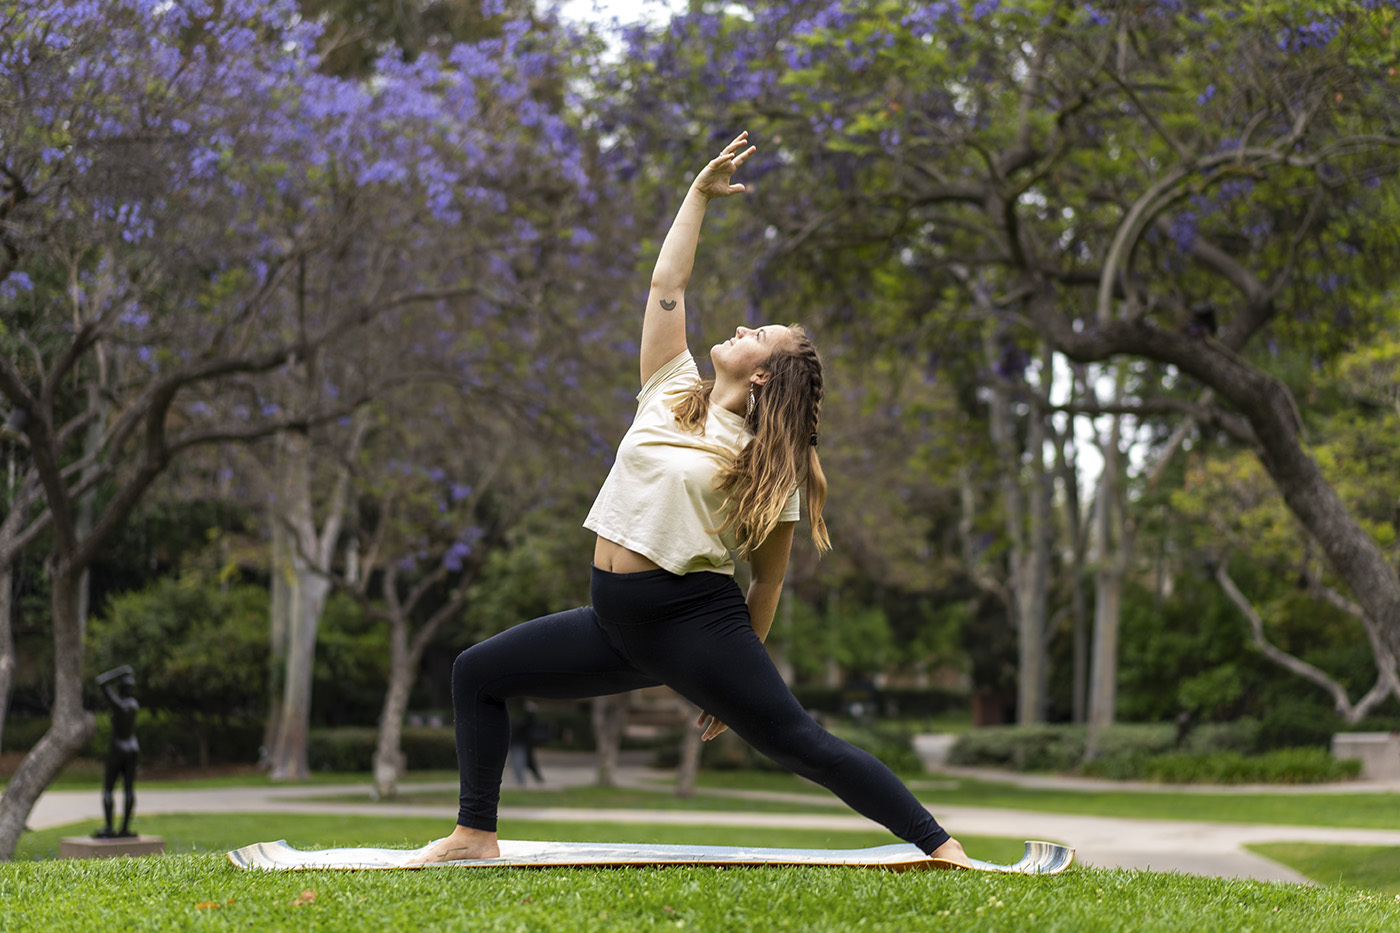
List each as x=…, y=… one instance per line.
x=714, y=180
x=737, y=144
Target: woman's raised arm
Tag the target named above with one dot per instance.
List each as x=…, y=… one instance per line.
x=663, y=326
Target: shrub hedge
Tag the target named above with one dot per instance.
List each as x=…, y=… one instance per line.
x=166, y=740
x=351, y=748
x=1217, y=753
x=892, y=702
x=1281, y=766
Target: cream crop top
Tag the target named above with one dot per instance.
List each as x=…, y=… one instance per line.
x=660, y=498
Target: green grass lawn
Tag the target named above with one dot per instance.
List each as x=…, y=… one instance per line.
x=204, y=892
x=1376, y=868
x=194, y=887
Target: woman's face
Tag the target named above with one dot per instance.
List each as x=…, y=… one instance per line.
x=747, y=352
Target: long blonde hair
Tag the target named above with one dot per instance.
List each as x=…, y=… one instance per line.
x=785, y=421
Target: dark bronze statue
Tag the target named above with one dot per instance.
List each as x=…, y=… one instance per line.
x=119, y=686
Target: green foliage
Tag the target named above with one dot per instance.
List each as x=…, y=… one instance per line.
x=186, y=740
x=1295, y=723
x=890, y=744
x=197, y=647
x=1216, y=753
x=167, y=739
x=857, y=637
x=1212, y=693
x=352, y=664
x=1238, y=735
x=1167, y=643
x=351, y=748
x=1282, y=766
x=1023, y=748
x=539, y=572
x=904, y=702
x=200, y=649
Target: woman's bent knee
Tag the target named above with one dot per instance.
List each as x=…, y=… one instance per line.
x=470, y=671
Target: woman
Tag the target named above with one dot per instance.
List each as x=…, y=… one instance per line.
x=705, y=469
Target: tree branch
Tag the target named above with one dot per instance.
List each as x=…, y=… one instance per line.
x=1201, y=412
x=1340, y=702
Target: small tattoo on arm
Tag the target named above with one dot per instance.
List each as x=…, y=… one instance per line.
x=667, y=305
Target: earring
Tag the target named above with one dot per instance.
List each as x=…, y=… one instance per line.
x=752, y=401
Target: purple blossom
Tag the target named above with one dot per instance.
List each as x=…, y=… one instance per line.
x=1316, y=33
x=926, y=18
x=1184, y=230
x=456, y=555
x=1096, y=16
x=1259, y=229
x=13, y=285
x=1331, y=282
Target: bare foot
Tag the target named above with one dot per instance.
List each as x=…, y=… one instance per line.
x=952, y=851
x=464, y=843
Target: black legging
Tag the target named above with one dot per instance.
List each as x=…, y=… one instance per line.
x=691, y=633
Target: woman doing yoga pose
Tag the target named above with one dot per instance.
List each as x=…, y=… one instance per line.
x=706, y=470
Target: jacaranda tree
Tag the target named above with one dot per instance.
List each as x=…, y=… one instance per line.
x=1186, y=183
x=173, y=176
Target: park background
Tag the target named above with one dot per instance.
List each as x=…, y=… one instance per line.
x=320, y=321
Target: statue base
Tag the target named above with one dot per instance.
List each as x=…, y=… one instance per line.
x=88, y=847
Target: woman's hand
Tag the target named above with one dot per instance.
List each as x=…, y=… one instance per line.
x=713, y=180
x=712, y=726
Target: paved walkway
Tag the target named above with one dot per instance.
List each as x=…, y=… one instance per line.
x=1213, y=849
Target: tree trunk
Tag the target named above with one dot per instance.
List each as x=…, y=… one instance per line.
x=310, y=585
x=609, y=716
x=1067, y=470
x=7, y=643
x=279, y=624
x=1028, y=528
x=71, y=725
x=289, y=756
x=1108, y=581
x=87, y=503
x=1033, y=587
x=689, y=769
x=389, y=763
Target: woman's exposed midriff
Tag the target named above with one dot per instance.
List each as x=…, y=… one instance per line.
x=614, y=558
